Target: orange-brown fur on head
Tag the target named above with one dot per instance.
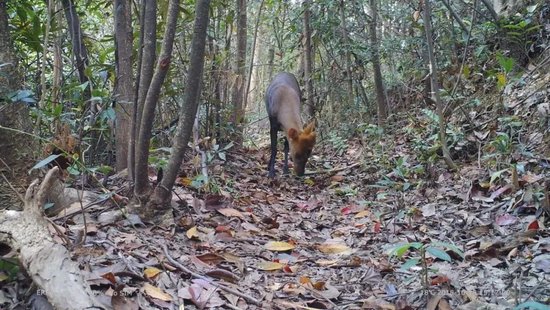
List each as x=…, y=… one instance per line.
x=301, y=144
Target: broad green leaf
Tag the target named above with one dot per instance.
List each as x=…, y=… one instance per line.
x=439, y=253
x=532, y=8
x=401, y=249
x=45, y=161
x=409, y=263
x=449, y=246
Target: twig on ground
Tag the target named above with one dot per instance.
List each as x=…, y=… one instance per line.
x=13, y=189
x=334, y=170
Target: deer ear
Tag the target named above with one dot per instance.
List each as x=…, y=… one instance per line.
x=292, y=133
x=310, y=128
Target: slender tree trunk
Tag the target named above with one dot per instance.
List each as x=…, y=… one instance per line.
x=491, y=10
x=347, y=46
x=162, y=193
x=251, y=66
x=435, y=87
x=57, y=60
x=80, y=52
x=124, y=87
x=308, y=62
x=43, y=90
x=148, y=42
x=142, y=185
x=378, y=81
x=238, y=90
x=455, y=15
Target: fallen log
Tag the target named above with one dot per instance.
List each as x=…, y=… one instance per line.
x=47, y=263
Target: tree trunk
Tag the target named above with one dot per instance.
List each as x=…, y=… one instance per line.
x=378, y=82
x=80, y=52
x=162, y=194
x=142, y=185
x=238, y=89
x=251, y=66
x=124, y=88
x=146, y=63
x=491, y=10
x=308, y=62
x=435, y=87
x=16, y=148
x=347, y=72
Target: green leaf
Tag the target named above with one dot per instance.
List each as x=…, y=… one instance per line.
x=227, y=147
x=507, y=63
x=400, y=249
x=531, y=8
x=496, y=175
x=73, y=170
x=409, y=263
x=48, y=205
x=439, y=253
x=45, y=161
x=449, y=246
x=532, y=305
x=222, y=156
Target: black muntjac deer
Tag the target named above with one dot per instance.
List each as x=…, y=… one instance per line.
x=282, y=101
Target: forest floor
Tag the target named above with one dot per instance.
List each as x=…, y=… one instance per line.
x=378, y=223
x=354, y=234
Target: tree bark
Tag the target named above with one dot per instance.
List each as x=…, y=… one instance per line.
x=146, y=65
x=16, y=148
x=162, y=194
x=124, y=88
x=491, y=10
x=251, y=66
x=347, y=46
x=308, y=62
x=142, y=186
x=435, y=87
x=80, y=52
x=378, y=81
x=238, y=89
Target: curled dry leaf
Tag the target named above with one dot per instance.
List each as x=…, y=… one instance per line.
x=211, y=258
x=230, y=212
x=270, y=266
x=151, y=272
x=279, y=246
x=362, y=214
x=156, y=292
x=334, y=247
x=192, y=233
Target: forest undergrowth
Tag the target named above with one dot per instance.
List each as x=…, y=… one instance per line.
x=377, y=223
